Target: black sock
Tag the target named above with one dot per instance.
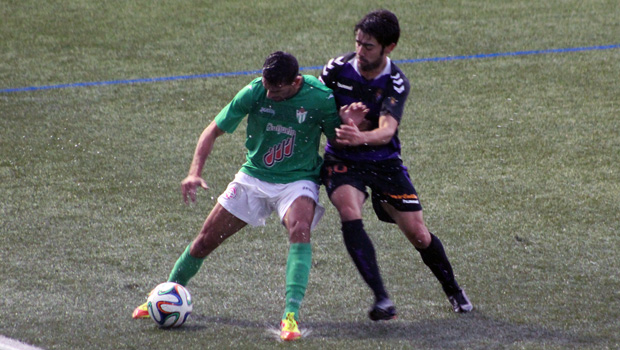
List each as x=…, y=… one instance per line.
x=362, y=252
x=434, y=256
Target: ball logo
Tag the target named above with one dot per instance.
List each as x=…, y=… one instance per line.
x=230, y=193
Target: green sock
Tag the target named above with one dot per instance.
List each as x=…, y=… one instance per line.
x=297, y=273
x=185, y=268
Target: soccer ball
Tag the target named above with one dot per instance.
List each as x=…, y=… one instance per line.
x=169, y=305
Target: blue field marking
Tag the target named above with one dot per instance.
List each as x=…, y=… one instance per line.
x=256, y=72
x=515, y=53
x=130, y=81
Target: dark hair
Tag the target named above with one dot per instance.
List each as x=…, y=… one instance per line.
x=382, y=25
x=280, y=68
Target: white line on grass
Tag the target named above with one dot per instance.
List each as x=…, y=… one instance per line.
x=11, y=344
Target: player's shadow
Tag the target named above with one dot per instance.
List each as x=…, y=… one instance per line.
x=474, y=328
x=450, y=333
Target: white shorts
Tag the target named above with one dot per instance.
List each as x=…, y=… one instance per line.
x=253, y=200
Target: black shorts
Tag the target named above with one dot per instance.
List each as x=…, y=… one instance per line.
x=388, y=180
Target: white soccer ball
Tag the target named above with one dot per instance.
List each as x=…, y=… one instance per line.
x=169, y=305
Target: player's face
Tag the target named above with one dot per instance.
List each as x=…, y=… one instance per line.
x=281, y=92
x=370, y=54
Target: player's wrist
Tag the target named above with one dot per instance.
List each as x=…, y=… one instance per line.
x=364, y=125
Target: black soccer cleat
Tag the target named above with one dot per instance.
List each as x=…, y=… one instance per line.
x=382, y=311
x=460, y=302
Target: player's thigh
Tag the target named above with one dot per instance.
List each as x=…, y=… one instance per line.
x=219, y=225
x=411, y=223
x=349, y=202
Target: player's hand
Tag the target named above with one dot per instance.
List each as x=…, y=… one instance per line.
x=349, y=134
x=355, y=112
x=189, y=186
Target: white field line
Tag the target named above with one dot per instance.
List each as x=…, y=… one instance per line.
x=11, y=344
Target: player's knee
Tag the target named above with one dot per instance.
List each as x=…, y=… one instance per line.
x=348, y=213
x=418, y=235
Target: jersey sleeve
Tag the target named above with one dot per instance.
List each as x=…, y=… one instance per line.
x=332, y=118
x=394, y=103
x=230, y=116
x=332, y=68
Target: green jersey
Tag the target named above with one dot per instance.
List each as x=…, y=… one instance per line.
x=283, y=137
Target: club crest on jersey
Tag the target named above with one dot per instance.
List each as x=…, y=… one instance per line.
x=378, y=95
x=301, y=115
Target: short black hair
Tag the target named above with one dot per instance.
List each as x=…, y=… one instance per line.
x=382, y=25
x=280, y=68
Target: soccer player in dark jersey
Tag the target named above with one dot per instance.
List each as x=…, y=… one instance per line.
x=286, y=115
x=368, y=79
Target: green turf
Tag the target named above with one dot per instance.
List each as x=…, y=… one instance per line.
x=515, y=158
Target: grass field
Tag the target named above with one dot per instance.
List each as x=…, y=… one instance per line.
x=516, y=159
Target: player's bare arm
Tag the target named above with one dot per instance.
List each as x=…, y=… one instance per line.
x=203, y=149
x=350, y=135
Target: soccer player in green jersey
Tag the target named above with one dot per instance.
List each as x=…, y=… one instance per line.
x=287, y=113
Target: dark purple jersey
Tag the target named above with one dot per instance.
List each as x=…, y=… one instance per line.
x=386, y=94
